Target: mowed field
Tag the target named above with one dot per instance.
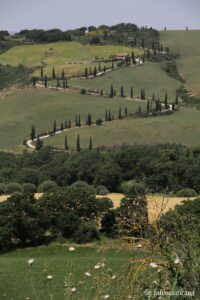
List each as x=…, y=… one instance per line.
x=148, y=76
x=72, y=57
x=41, y=107
x=187, y=44
x=20, y=281
x=181, y=127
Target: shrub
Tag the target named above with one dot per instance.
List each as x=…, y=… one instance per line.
x=132, y=187
x=47, y=186
x=99, y=122
x=86, y=232
x=29, y=188
x=12, y=187
x=186, y=193
x=2, y=188
x=83, y=91
x=101, y=190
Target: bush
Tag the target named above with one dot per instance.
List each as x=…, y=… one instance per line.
x=86, y=232
x=12, y=187
x=29, y=188
x=186, y=193
x=101, y=190
x=83, y=91
x=132, y=187
x=47, y=186
x=2, y=188
x=99, y=122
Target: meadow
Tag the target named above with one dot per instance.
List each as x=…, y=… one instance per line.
x=152, y=130
x=20, y=281
x=148, y=76
x=23, y=108
x=72, y=57
x=187, y=44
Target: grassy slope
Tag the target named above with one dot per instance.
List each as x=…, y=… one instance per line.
x=62, y=54
x=187, y=44
x=15, y=275
x=157, y=130
x=41, y=107
x=148, y=76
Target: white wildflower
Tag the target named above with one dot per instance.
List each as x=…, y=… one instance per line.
x=71, y=249
x=106, y=297
x=73, y=290
x=88, y=274
x=177, y=261
x=138, y=246
x=153, y=265
x=49, y=277
x=103, y=265
x=114, y=277
x=30, y=261
x=97, y=267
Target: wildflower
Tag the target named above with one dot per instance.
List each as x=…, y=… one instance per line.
x=88, y=274
x=155, y=282
x=103, y=265
x=106, y=297
x=153, y=265
x=49, y=277
x=73, y=290
x=30, y=261
x=71, y=249
x=159, y=270
x=177, y=261
x=113, y=277
x=97, y=267
x=138, y=246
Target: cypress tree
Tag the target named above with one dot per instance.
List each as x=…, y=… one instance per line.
x=63, y=75
x=78, y=145
x=90, y=71
x=142, y=94
x=70, y=125
x=89, y=120
x=176, y=100
x=32, y=132
x=111, y=91
x=64, y=85
x=148, y=106
x=54, y=127
x=45, y=81
x=65, y=124
x=58, y=82
x=95, y=72
x=106, y=115
x=126, y=111
x=153, y=97
x=104, y=69
x=109, y=116
x=101, y=93
x=61, y=127
x=33, y=81
x=39, y=144
x=76, y=120
x=41, y=73
x=53, y=74
x=120, y=113
x=90, y=144
x=131, y=92
x=66, y=143
x=122, y=91
x=86, y=72
x=79, y=120
x=99, y=67
x=166, y=104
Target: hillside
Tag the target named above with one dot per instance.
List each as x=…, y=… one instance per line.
x=72, y=57
x=148, y=76
x=187, y=44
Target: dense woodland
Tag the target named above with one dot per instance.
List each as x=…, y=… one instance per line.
x=166, y=168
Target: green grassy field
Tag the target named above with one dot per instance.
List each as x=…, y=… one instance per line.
x=61, y=55
x=41, y=107
x=181, y=127
x=148, y=76
x=17, y=278
x=187, y=44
